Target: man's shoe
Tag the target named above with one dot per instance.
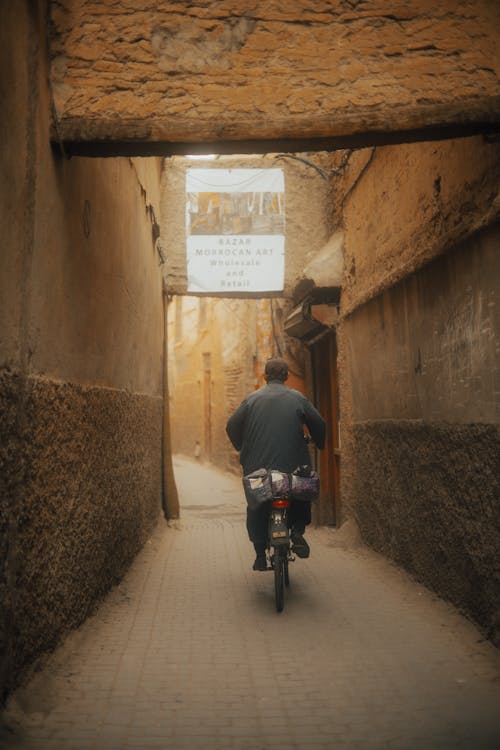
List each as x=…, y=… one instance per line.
x=299, y=545
x=260, y=562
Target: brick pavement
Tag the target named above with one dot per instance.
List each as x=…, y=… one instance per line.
x=188, y=652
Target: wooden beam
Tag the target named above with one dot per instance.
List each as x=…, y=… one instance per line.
x=110, y=148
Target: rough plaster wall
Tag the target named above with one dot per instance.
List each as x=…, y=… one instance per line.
x=222, y=321
x=432, y=341
x=233, y=70
x=418, y=364
x=17, y=62
x=99, y=285
x=428, y=497
x=90, y=498
x=238, y=350
x=239, y=354
x=308, y=208
x=185, y=377
x=80, y=368
x=422, y=441
x=405, y=204
x=238, y=321
x=229, y=337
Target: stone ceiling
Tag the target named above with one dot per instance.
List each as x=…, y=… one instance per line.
x=345, y=72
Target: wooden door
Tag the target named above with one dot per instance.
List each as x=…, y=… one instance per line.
x=326, y=384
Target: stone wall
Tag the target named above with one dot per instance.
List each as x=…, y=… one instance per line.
x=80, y=364
x=419, y=368
x=232, y=70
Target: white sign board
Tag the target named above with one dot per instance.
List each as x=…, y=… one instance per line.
x=235, y=230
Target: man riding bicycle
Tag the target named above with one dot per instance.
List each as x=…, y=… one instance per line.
x=267, y=429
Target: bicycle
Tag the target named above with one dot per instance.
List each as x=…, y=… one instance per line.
x=278, y=490
x=279, y=550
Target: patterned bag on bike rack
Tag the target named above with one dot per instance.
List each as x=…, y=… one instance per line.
x=304, y=484
x=257, y=486
x=280, y=483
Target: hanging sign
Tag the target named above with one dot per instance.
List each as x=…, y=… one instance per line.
x=235, y=230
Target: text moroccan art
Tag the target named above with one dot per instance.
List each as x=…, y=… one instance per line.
x=235, y=230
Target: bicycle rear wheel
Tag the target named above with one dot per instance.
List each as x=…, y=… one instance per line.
x=279, y=575
x=285, y=569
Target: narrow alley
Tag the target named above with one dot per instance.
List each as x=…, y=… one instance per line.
x=188, y=651
x=188, y=191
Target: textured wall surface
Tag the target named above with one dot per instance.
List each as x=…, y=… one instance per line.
x=428, y=497
x=433, y=341
x=186, y=393
x=228, y=338
x=86, y=501
x=80, y=362
x=80, y=374
x=422, y=448
x=232, y=70
x=95, y=274
x=406, y=204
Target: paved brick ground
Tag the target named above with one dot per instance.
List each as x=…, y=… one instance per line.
x=188, y=652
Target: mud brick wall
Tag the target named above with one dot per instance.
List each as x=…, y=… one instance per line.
x=80, y=362
x=428, y=498
x=232, y=70
x=83, y=478
x=404, y=205
x=422, y=466
x=225, y=343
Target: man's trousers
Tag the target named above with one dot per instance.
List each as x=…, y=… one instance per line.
x=299, y=516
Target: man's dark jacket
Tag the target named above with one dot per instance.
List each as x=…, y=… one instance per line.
x=267, y=428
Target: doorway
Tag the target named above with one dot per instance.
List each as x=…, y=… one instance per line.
x=325, y=374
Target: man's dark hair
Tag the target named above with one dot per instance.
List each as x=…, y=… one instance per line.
x=276, y=369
